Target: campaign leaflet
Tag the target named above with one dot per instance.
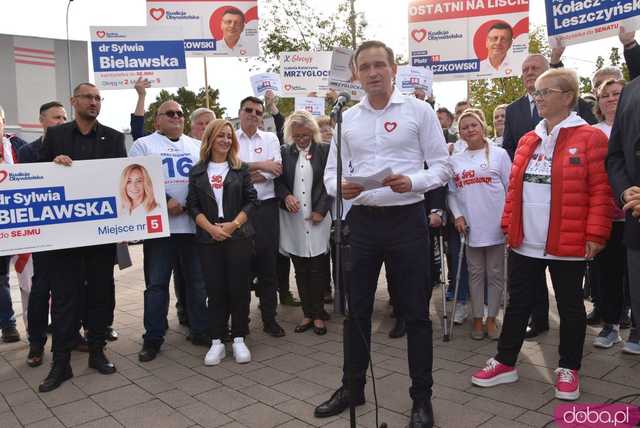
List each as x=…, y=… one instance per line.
x=211, y=27
x=46, y=206
x=264, y=82
x=573, y=21
x=121, y=55
x=469, y=39
x=313, y=105
x=304, y=73
x=342, y=77
x=408, y=79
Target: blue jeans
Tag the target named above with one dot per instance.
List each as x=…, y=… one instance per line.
x=161, y=255
x=453, y=242
x=7, y=317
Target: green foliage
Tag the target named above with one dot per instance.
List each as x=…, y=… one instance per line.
x=189, y=101
x=614, y=61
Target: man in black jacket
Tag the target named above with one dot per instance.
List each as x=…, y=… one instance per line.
x=82, y=139
x=623, y=167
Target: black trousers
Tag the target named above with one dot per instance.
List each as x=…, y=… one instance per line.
x=311, y=278
x=71, y=270
x=225, y=267
x=283, y=269
x=540, y=311
x=399, y=237
x=523, y=277
x=265, y=222
x=610, y=268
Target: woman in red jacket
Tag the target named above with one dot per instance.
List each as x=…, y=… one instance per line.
x=557, y=215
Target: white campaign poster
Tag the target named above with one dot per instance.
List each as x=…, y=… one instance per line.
x=304, y=73
x=211, y=27
x=313, y=105
x=465, y=40
x=408, y=79
x=45, y=206
x=343, y=74
x=264, y=82
x=123, y=54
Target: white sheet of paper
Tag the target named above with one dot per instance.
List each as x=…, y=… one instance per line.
x=370, y=182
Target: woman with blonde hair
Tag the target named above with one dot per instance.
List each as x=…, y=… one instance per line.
x=221, y=198
x=476, y=192
x=136, y=189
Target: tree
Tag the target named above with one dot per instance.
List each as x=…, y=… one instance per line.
x=614, y=61
x=189, y=101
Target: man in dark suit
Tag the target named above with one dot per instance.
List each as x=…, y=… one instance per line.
x=72, y=269
x=623, y=167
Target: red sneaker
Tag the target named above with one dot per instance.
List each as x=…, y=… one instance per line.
x=567, y=384
x=495, y=373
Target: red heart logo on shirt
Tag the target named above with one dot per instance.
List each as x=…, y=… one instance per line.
x=390, y=126
x=100, y=34
x=3, y=175
x=288, y=87
x=419, y=35
x=258, y=150
x=156, y=13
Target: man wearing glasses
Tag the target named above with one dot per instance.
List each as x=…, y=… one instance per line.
x=74, y=268
x=261, y=150
x=161, y=256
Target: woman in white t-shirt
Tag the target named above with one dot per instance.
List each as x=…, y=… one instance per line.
x=136, y=191
x=476, y=197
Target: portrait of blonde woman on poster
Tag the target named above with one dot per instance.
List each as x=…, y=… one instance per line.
x=136, y=192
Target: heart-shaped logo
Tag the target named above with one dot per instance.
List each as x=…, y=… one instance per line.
x=156, y=13
x=390, y=126
x=419, y=35
x=258, y=150
x=100, y=34
x=573, y=150
x=3, y=175
x=288, y=87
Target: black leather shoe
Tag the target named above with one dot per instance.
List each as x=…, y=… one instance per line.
x=10, y=334
x=398, y=330
x=320, y=331
x=533, y=331
x=594, y=317
x=301, y=328
x=338, y=403
x=421, y=415
x=112, y=335
x=60, y=371
x=273, y=329
x=34, y=358
x=98, y=361
x=148, y=353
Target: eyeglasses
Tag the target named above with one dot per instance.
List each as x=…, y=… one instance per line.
x=87, y=97
x=544, y=93
x=172, y=113
x=250, y=110
x=301, y=137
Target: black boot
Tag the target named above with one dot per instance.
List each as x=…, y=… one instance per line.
x=98, y=361
x=399, y=329
x=60, y=371
x=421, y=414
x=338, y=403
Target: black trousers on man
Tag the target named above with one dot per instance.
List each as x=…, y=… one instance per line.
x=71, y=269
x=265, y=222
x=398, y=236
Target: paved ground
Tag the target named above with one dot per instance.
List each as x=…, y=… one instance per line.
x=288, y=376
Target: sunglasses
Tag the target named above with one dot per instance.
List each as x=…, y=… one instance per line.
x=172, y=113
x=250, y=110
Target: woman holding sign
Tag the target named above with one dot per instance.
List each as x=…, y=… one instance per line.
x=220, y=200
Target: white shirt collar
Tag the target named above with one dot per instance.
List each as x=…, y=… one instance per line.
x=396, y=98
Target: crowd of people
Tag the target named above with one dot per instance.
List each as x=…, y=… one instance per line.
x=554, y=187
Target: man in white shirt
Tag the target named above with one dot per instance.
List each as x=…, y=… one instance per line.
x=498, y=43
x=261, y=150
x=179, y=153
x=387, y=129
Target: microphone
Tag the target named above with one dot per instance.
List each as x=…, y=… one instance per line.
x=342, y=100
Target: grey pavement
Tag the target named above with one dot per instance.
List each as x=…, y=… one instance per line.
x=289, y=376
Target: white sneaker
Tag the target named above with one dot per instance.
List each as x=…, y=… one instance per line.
x=240, y=351
x=216, y=353
x=461, y=314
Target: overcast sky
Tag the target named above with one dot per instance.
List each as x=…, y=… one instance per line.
x=387, y=21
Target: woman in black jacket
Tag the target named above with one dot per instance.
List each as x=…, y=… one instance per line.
x=220, y=200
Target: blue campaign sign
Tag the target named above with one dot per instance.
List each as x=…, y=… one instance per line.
x=577, y=21
x=122, y=55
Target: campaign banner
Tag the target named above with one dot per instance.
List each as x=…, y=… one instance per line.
x=313, y=105
x=571, y=22
x=45, y=206
x=342, y=77
x=264, y=82
x=408, y=79
x=123, y=54
x=470, y=39
x=305, y=72
x=211, y=27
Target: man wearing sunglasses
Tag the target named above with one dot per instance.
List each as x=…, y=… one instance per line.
x=90, y=267
x=261, y=150
x=162, y=255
